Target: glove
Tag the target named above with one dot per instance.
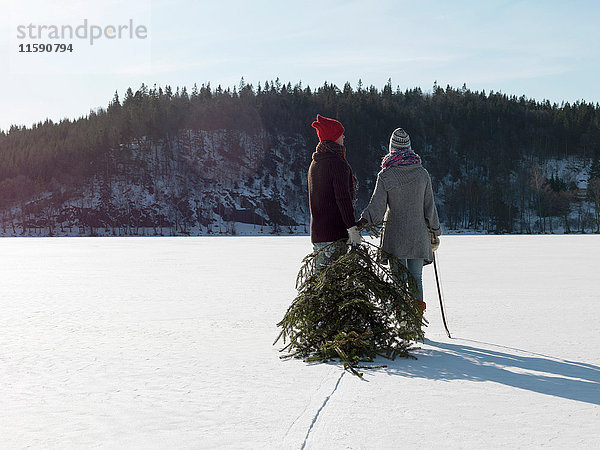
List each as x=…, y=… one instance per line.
x=355, y=237
x=435, y=241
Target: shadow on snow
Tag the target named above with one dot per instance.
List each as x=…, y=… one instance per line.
x=537, y=373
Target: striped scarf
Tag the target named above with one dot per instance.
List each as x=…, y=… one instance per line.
x=404, y=157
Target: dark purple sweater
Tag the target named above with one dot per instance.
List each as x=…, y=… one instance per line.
x=330, y=192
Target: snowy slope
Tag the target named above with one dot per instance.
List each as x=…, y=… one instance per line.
x=166, y=342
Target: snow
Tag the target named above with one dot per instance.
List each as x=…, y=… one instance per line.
x=570, y=169
x=167, y=342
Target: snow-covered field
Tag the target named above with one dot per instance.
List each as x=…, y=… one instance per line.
x=167, y=343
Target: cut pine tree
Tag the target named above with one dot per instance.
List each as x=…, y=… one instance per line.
x=353, y=308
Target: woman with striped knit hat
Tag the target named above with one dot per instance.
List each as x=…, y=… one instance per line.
x=403, y=195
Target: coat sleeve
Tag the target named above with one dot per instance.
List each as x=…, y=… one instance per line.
x=431, y=215
x=343, y=194
x=375, y=210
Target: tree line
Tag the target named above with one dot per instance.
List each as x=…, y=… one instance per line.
x=485, y=151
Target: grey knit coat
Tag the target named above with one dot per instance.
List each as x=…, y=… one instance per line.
x=404, y=198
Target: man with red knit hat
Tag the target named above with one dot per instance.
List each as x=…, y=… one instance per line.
x=331, y=189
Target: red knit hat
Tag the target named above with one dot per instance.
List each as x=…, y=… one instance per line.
x=328, y=129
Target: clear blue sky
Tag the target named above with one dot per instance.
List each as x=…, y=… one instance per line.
x=542, y=49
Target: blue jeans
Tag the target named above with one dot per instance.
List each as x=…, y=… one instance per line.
x=415, y=267
x=333, y=250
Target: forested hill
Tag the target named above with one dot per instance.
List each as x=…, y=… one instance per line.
x=164, y=161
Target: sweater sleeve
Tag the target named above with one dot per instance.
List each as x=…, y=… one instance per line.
x=375, y=210
x=431, y=215
x=343, y=196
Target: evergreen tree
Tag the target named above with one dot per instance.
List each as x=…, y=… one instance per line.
x=354, y=308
